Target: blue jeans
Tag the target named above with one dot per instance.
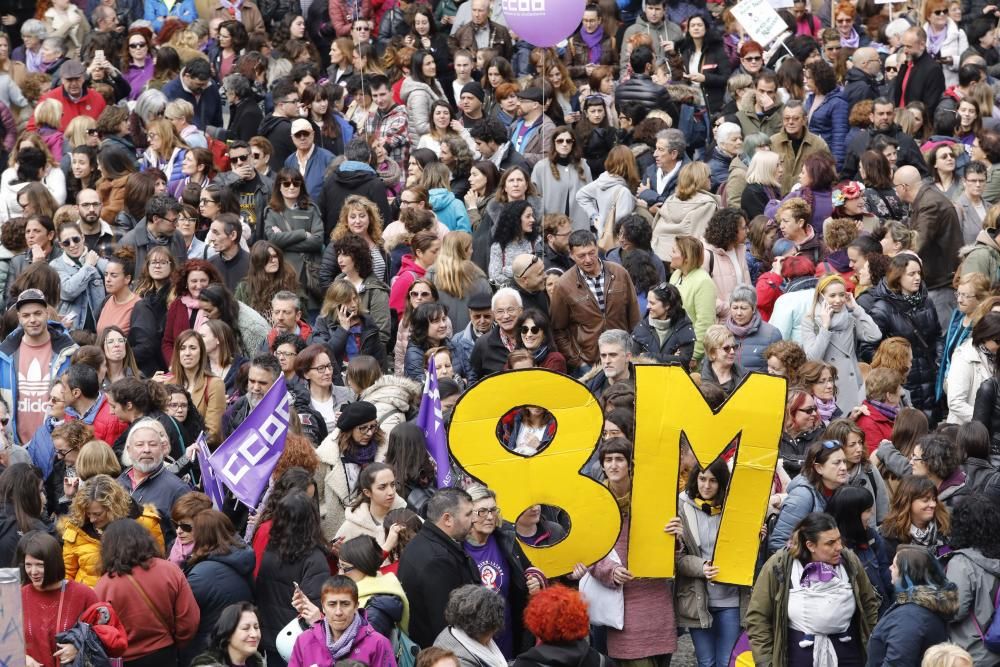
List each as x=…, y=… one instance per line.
x=713, y=645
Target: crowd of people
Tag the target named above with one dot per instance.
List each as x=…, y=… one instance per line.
x=199, y=199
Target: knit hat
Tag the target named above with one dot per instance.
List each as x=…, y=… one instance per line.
x=356, y=414
x=474, y=88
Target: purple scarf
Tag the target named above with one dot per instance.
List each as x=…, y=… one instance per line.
x=889, y=411
x=851, y=41
x=743, y=331
x=826, y=409
x=935, y=40
x=593, y=41
x=817, y=573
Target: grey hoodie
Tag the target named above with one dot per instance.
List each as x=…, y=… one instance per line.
x=599, y=197
x=663, y=31
x=976, y=577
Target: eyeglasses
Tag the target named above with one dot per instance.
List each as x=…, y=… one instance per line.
x=487, y=511
x=753, y=59
x=206, y=200
x=564, y=141
x=152, y=135
x=160, y=262
x=506, y=311
x=73, y=240
x=302, y=134
x=845, y=21
x=180, y=525
x=728, y=348
x=808, y=411
x=530, y=330
x=294, y=101
x=289, y=184
x=940, y=12
x=367, y=428
x=534, y=260
x=424, y=295
x=240, y=158
x=325, y=368
x=61, y=453
x=92, y=132
x=362, y=28
x=137, y=45
x=97, y=204
x=284, y=355
x=177, y=406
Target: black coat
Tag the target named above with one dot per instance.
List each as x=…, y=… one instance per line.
x=489, y=355
x=431, y=567
x=342, y=184
x=274, y=588
x=517, y=597
x=714, y=65
x=919, y=325
x=641, y=88
x=329, y=269
x=926, y=83
x=569, y=654
x=10, y=535
x=859, y=86
x=677, y=347
x=244, y=120
x=792, y=450
x=986, y=411
x=909, y=628
x=908, y=154
x=149, y=319
x=328, y=331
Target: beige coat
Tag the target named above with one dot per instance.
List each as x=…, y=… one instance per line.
x=335, y=492
x=677, y=217
x=358, y=521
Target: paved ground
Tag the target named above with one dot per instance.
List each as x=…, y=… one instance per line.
x=685, y=653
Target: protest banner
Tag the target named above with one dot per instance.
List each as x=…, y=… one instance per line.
x=668, y=405
x=209, y=478
x=245, y=461
x=760, y=20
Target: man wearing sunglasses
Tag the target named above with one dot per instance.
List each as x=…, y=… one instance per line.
x=253, y=190
x=308, y=159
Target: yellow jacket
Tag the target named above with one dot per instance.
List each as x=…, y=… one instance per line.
x=82, y=549
x=385, y=584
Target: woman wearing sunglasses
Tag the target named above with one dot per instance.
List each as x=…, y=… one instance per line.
x=535, y=336
x=802, y=428
x=100, y=501
x=81, y=278
x=823, y=472
x=719, y=365
x=293, y=223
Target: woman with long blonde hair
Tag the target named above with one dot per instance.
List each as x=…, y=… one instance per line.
x=457, y=277
x=100, y=501
x=687, y=211
x=166, y=150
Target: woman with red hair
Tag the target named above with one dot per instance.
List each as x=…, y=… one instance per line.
x=185, y=310
x=557, y=617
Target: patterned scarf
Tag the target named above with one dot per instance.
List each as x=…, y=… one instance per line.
x=235, y=9
x=890, y=411
x=825, y=408
x=926, y=537
x=742, y=331
x=360, y=455
x=341, y=648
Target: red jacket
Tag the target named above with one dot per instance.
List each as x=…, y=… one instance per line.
x=107, y=426
x=166, y=586
x=91, y=104
x=877, y=427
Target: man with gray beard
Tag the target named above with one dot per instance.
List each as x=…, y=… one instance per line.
x=147, y=481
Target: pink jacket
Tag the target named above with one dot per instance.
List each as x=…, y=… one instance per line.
x=369, y=647
x=726, y=275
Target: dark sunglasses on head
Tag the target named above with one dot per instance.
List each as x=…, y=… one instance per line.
x=73, y=240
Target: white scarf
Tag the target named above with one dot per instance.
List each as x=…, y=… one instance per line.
x=490, y=655
x=823, y=609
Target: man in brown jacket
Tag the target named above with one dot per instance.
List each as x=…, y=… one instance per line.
x=794, y=143
x=939, y=234
x=590, y=298
x=482, y=33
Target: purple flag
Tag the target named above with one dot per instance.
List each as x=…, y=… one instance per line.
x=245, y=461
x=431, y=421
x=209, y=480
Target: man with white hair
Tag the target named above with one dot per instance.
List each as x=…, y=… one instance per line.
x=148, y=481
x=615, y=349
x=489, y=354
x=728, y=144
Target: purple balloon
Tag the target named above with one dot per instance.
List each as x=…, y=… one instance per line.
x=543, y=22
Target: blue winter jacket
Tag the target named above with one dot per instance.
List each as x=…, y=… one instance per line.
x=208, y=106
x=156, y=12
x=449, y=210
x=62, y=349
x=915, y=622
x=802, y=499
x=829, y=121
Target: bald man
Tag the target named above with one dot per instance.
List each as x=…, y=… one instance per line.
x=529, y=276
x=921, y=77
x=862, y=78
x=939, y=237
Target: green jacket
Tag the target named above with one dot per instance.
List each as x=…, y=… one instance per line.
x=982, y=257
x=767, y=615
x=698, y=298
